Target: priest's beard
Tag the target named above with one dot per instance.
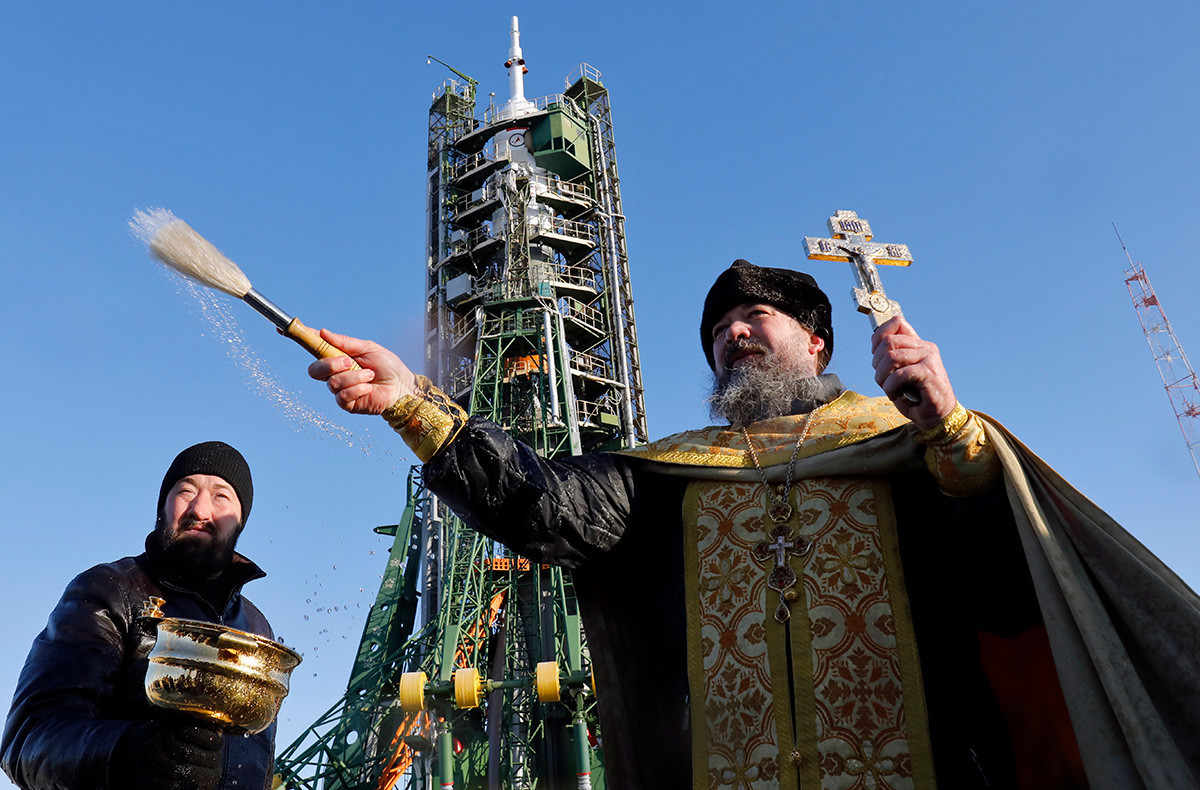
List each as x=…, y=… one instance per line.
x=193, y=558
x=767, y=386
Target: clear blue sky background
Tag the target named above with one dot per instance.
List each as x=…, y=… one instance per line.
x=999, y=140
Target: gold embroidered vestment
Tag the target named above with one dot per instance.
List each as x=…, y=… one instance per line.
x=802, y=661
x=832, y=694
x=831, y=697
x=829, y=694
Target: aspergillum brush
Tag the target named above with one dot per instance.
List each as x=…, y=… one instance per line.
x=174, y=243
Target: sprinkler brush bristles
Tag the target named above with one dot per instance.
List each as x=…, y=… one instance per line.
x=173, y=242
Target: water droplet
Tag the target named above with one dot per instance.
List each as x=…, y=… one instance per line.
x=213, y=308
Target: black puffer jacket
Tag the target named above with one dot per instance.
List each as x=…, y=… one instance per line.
x=83, y=683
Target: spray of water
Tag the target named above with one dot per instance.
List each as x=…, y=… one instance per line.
x=225, y=328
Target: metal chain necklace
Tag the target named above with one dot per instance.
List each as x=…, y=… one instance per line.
x=781, y=508
x=783, y=544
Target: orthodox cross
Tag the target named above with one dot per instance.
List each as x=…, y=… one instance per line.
x=782, y=578
x=852, y=242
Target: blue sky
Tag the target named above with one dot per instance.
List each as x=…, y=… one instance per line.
x=1000, y=141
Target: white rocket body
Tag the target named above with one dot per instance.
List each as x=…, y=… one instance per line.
x=511, y=143
x=517, y=105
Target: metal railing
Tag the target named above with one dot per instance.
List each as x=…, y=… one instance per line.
x=458, y=328
x=567, y=228
x=566, y=189
x=589, y=411
x=494, y=114
x=563, y=274
x=469, y=163
x=584, y=314
x=463, y=240
x=590, y=365
x=468, y=201
x=462, y=379
x=584, y=70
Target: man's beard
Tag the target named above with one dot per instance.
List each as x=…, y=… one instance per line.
x=193, y=557
x=764, y=386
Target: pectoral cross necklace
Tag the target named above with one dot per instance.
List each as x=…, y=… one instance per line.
x=783, y=544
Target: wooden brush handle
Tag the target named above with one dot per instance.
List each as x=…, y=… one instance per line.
x=311, y=340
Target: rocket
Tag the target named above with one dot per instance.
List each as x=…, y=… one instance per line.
x=517, y=105
x=511, y=142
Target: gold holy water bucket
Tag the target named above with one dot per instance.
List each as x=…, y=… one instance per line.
x=231, y=677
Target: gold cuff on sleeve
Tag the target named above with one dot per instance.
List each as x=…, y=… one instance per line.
x=426, y=422
x=947, y=428
x=959, y=455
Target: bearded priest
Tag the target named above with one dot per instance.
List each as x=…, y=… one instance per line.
x=831, y=590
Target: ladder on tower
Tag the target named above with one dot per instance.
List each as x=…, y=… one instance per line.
x=1180, y=381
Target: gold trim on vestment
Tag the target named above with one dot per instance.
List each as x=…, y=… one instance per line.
x=846, y=420
x=906, y=638
x=964, y=462
x=959, y=457
x=946, y=428
x=426, y=421
x=849, y=702
x=695, y=652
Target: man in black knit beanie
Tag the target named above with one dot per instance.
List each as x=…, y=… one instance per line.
x=80, y=717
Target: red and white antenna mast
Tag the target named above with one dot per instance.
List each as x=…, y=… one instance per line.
x=1183, y=388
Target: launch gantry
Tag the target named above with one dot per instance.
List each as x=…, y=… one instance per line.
x=483, y=679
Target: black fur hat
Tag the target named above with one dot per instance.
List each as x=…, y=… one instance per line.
x=796, y=293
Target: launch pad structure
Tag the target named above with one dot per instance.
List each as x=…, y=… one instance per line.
x=473, y=669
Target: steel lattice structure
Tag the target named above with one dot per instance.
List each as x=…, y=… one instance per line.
x=1183, y=388
x=529, y=322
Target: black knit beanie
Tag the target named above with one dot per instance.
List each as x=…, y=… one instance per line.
x=796, y=293
x=211, y=458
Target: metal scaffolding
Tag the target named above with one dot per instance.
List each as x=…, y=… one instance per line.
x=529, y=323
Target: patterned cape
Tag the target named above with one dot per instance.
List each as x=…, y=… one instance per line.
x=1124, y=629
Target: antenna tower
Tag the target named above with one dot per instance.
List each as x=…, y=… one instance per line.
x=1183, y=388
x=473, y=669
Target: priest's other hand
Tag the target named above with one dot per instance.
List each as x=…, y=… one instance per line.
x=380, y=379
x=903, y=361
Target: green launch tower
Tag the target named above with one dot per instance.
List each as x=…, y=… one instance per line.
x=473, y=669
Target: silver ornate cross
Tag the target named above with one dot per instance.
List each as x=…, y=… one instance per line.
x=852, y=243
x=782, y=578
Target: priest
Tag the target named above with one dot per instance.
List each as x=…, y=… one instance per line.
x=828, y=589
